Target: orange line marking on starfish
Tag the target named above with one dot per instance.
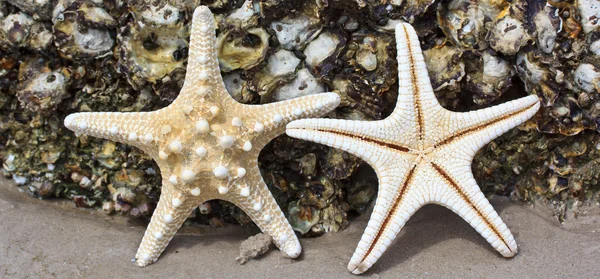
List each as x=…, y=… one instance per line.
x=469, y=202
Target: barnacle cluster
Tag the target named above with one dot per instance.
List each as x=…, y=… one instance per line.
x=59, y=57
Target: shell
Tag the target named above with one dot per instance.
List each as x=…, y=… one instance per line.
x=547, y=25
x=322, y=52
x=303, y=218
x=280, y=68
x=445, y=68
x=490, y=83
x=237, y=87
x=508, y=35
x=304, y=84
x=153, y=48
x=82, y=30
x=589, y=11
x=463, y=22
x=242, y=49
x=21, y=30
x=41, y=88
x=39, y=9
x=293, y=33
x=246, y=16
x=587, y=77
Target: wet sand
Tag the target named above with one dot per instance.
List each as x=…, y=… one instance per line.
x=42, y=239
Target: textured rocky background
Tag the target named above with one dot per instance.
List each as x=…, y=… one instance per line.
x=59, y=57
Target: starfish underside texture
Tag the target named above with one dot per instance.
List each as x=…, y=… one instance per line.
x=206, y=145
x=422, y=154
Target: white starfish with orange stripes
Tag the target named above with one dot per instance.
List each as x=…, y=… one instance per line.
x=206, y=145
x=422, y=154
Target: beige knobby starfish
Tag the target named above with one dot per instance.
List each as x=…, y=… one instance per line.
x=422, y=154
x=206, y=145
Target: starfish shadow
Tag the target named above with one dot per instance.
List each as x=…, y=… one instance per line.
x=206, y=236
x=427, y=228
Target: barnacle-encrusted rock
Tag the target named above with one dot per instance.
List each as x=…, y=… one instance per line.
x=131, y=56
x=108, y=157
x=361, y=189
x=303, y=217
x=360, y=100
x=366, y=55
x=82, y=30
x=594, y=39
x=372, y=56
x=411, y=9
x=340, y=164
x=253, y=247
x=333, y=217
x=537, y=78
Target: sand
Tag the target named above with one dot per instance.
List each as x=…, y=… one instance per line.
x=42, y=239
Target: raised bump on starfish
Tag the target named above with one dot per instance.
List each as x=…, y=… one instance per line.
x=206, y=145
x=422, y=154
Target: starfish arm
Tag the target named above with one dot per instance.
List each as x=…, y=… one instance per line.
x=398, y=198
x=134, y=128
x=172, y=210
x=373, y=152
x=481, y=126
x=203, y=76
x=457, y=190
x=274, y=116
x=385, y=132
x=416, y=99
x=262, y=208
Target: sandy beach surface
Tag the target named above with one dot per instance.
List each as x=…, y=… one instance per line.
x=42, y=239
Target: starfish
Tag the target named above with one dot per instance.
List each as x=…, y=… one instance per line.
x=422, y=154
x=206, y=145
